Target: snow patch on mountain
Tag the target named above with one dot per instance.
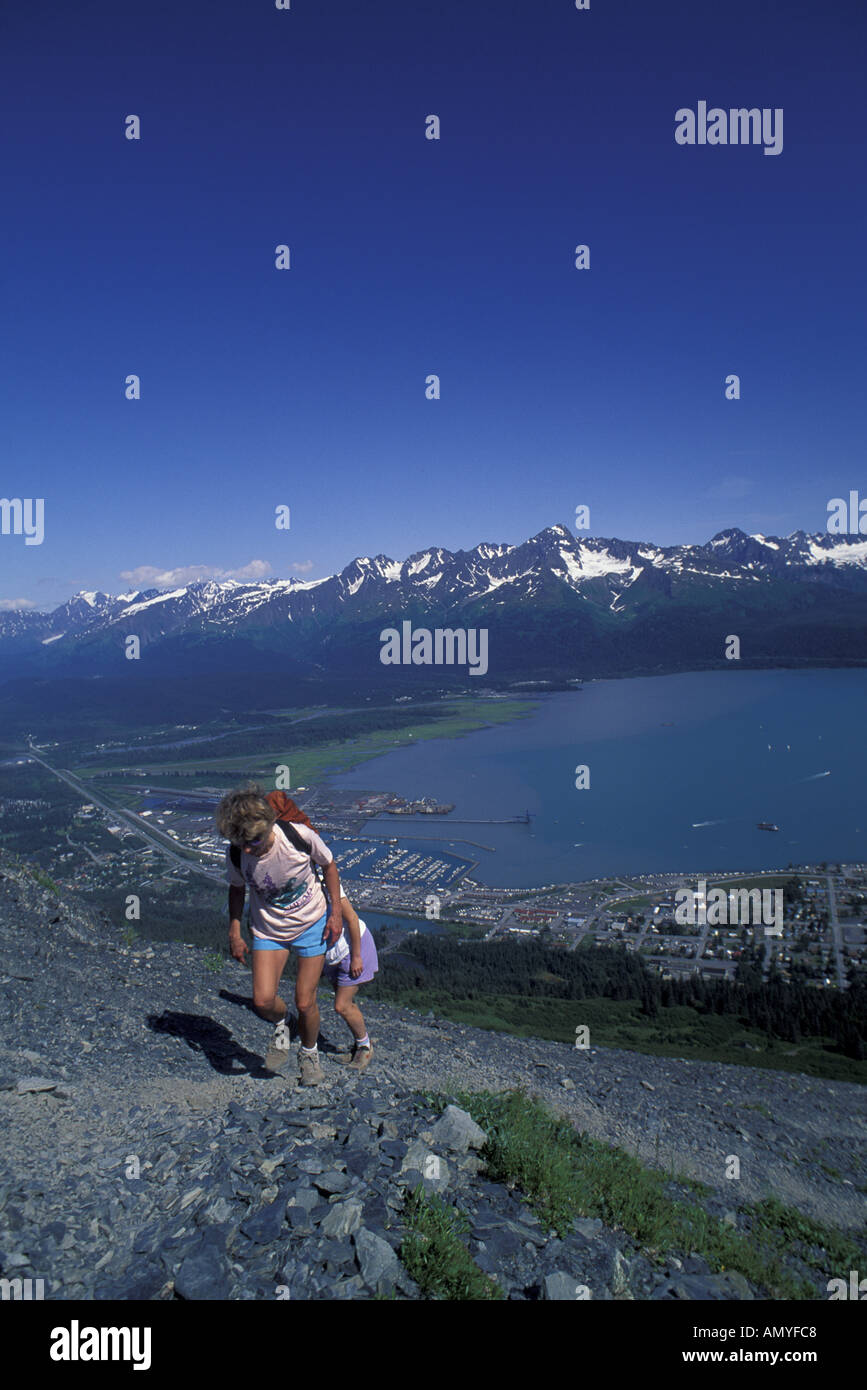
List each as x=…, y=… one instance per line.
x=843, y=553
x=149, y=602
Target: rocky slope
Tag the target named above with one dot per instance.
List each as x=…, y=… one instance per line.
x=148, y=1154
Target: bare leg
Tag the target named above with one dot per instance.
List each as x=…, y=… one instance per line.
x=344, y=997
x=268, y=966
x=306, y=982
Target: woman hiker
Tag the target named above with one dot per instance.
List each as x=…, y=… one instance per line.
x=288, y=910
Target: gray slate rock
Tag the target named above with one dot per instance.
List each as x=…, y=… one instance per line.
x=560, y=1287
x=332, y=1182
x=377, y=1261
x=457, y=1131
x=201, y=1276
x=395, y=1148
x=217, y=1211
x=265, y=1225
x=587, y=1226
x=344, y=1219
x=729, y=1286
x=304, y=1196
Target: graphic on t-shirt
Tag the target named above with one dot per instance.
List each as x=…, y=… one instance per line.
x=275, y=895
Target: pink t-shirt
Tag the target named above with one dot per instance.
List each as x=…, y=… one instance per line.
x=285, y=896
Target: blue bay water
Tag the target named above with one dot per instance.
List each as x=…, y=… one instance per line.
x=681, y=770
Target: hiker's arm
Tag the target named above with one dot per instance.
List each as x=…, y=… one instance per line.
x=353, y=931
x=334, y=925
x=236, y=909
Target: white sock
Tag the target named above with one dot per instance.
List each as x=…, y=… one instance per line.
x=309, y=1051
x=363, y=1042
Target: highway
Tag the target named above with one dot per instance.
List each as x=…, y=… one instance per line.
x=154, y=838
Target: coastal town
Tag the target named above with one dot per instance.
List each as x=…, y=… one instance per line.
x=165, y=841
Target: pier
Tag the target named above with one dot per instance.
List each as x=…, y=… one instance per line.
x=448, y=820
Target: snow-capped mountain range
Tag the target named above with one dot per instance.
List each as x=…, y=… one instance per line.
x=801, y=598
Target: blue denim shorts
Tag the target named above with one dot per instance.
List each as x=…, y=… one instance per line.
x=309, y=943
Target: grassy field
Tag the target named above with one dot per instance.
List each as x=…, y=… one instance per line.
x=677, y=1032
x=336, y=755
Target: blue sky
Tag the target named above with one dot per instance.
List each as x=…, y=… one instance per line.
x=410, y=256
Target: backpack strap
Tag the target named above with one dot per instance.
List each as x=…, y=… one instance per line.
x=292, y=835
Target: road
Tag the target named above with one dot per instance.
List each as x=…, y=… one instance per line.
x=154, y=838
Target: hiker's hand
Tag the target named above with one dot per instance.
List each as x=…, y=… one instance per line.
x=239, y=948
x=333, y=928
x=356, y=964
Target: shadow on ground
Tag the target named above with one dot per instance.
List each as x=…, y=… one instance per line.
x=203, y=1034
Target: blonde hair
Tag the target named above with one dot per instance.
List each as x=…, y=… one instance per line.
x=245, y=814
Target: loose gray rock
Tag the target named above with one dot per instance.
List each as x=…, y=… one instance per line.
x=416, y=1156
x=300, y=1219
x=306, y=1197
x=264, y=1226
x=560, y=1287
x=619, y=1278
x=332, y=1182
x=588, y=1226
x=202, y=1277
x=705, y=1287
x=343, y=1219
x=216, y=1212
x=457, y=1131
x=376, y=1260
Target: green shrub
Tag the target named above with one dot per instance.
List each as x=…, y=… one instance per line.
x=564, y=1174
x=435, y=1257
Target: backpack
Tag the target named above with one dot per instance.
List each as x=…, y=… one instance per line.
x=287, y=812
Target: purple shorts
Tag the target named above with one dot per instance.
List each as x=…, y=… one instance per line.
x=339, y=974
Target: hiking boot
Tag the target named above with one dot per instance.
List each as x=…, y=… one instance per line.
x=311, y=1072
x=362, y=1057
x=358, y=1058
x=278, y=1049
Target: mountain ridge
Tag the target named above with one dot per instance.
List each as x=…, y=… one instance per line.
x=555, y=605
